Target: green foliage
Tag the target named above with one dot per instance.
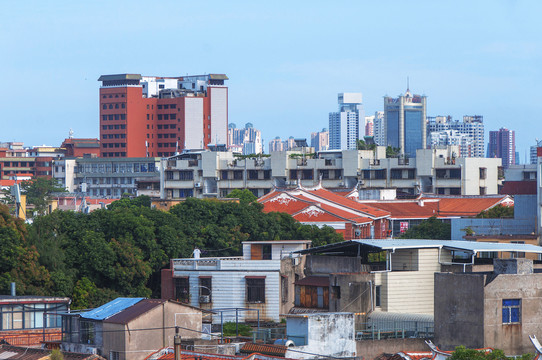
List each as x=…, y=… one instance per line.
x=243, y=329
x=362, y=145
x=431, y=228
x=392, y=152
x=462, y=353
x=245, y=196
x=121, y=250
x=497, y=212
x=38, y=192
x=56, y=355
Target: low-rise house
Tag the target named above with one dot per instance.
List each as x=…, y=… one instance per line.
x=260, y=283
x=499, y=309
x=31, y=320
x=128, y=328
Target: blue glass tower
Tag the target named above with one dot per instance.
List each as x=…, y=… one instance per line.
x=405, y=119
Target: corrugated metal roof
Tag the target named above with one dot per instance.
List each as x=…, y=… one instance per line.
x=134, y=311
x=394, y=244
x=111, y=308
x=390, y=316
x=218, y=76
x=266, y=349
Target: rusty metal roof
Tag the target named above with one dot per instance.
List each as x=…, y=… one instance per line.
x=8, y=352
x=266, y=349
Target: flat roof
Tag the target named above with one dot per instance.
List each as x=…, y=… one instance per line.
x=278, y=242
x=120, y=77
x=352, y=246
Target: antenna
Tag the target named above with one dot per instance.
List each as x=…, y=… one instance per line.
x=407, y=84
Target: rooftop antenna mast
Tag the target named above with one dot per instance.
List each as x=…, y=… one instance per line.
x=407, y=84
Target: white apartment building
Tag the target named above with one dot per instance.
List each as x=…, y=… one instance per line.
x=248, y=139
x=344, y=125
x=471, y=127
x=204, y=174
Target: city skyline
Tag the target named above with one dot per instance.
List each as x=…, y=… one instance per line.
x=485, y=60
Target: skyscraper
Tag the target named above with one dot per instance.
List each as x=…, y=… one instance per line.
x=405, y=119
x=502, y=144
x=344, y=124
x=379, y=128
x=159, y=116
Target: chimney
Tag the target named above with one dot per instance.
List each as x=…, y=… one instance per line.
x=177, y=344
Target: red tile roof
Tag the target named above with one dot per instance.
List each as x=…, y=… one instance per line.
x=444, y=207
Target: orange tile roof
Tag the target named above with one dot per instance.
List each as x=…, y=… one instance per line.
x=444, y=207
x=340, y=200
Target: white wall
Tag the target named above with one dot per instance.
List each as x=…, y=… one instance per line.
x=193, y=123
x=219, y=114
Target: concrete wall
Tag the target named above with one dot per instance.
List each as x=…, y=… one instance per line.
x=136, y=345
x=513, y=338
x=459, y=310
x=329, y=334
x=370, y=349
x=356, y=293
x=331, y=264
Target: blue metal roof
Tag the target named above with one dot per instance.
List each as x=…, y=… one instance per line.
x=111, y=308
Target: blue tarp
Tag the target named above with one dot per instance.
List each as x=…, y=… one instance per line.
x=111, y=308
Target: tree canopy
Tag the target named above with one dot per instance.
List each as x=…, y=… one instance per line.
x=121, y=250
x=497, y=212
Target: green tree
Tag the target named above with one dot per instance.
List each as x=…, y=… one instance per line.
x=38, y=192
x=462, y=353
x=56, y=355
x=245, y=196
x=431, y=228
x=362, y=145
x=497, y=212
x=392, y=152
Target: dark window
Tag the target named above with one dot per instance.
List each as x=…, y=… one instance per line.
x=159, y=116
x=224, y=175
x=182, y=289
x=160, y=107
x=483, y=190
x=173, y=116
x=378, y=296
x=455, y=191
x=186, y=175
x=284, y=288
x=205, y=289
x=266, y=250
x=238, y=175
x=336, y=292
x=396, y=173
x=455, y=173
x=253, y=174
x=511, y=311
x=255, y=290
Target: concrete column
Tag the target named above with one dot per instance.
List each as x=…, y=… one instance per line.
x=402, y=125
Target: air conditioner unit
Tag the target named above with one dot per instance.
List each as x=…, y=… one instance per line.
x=204, y=299
x=198, y=184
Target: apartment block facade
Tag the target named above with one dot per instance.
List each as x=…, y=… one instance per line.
x=159, y=116
x=468, y=134
x=344, y=125
x=204, y=174
x=502, y=144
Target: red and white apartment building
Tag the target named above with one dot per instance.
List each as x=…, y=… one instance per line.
x=155, y=116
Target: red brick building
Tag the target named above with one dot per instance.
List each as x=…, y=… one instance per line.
x=81, y=147
x=159, y=116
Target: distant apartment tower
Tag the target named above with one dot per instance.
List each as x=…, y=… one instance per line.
x=369, y=125
x=472, y=126
x=452, y=137
x=320, y=140
x=533, y=152
x=248, y=139
x=379, y=128
x=502, y=144
x=159, y=116
x=344, y=124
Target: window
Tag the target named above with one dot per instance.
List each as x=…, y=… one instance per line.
x=182, y=289
x=255, y=289
x=336, y=292
x=114, y=355
x=378, y=297
x=205, y=289
x=88, y=332
x=483, y=173
x=511, y=311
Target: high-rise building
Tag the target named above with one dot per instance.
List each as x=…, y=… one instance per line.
x=379, y=128
x=320, y=140
x=369, y=125
x=405, y=118
x=452, y=137
x=248, y=139
x=502, y=144
x=160, y=116
x=344, y=124
x=533, y=152
x=471, y=127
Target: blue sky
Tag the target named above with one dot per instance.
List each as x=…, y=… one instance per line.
x=286, y=60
